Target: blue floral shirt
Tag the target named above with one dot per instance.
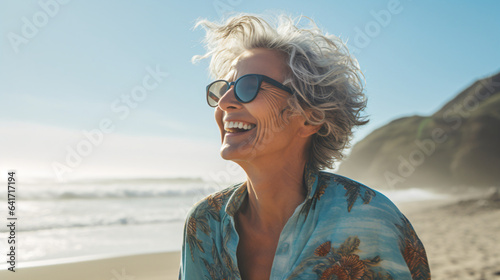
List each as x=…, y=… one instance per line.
x=342, y=230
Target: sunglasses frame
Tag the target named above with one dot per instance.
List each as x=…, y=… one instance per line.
x=260, y=79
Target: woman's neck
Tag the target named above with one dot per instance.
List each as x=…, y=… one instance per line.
x=274, y=192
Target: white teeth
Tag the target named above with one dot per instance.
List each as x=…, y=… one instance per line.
x=240, y=125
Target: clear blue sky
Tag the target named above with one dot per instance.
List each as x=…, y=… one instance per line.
x=64, y=67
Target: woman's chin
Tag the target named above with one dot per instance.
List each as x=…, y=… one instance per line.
x=235, y=152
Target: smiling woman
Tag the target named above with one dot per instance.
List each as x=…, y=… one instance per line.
x=285, y=101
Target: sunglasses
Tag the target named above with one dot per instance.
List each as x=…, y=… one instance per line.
x=246, y=88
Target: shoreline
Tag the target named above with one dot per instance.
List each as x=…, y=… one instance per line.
x=77, y=259
x=152, y=266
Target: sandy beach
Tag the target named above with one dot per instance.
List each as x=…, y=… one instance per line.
x=460, y=234
x=158, y=266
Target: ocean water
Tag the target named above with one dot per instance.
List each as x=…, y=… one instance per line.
x=94, y=219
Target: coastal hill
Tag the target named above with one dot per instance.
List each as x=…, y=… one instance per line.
x=459, y=145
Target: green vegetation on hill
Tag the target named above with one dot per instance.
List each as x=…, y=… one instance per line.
x=457, y=145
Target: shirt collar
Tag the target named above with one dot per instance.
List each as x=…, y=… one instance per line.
x=235, y=200
x=311, y=180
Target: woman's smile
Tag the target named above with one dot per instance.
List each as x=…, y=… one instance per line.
x=235, y=127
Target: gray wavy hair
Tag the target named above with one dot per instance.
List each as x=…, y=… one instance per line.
x=325, y=77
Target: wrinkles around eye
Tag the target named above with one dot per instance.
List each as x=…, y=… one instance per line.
x=272, y=122
x=279, y=93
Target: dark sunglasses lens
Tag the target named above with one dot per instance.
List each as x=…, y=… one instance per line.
x=215, y=92
x=247, y=88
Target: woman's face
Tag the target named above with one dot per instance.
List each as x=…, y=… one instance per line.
x=269, y=136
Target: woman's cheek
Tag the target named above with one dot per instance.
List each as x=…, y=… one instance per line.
x=269, y=122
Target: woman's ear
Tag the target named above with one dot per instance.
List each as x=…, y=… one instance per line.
x=307, y=129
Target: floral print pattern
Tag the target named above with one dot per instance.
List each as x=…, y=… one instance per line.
x=413, y=251
x=342, y=263
x=353, y=191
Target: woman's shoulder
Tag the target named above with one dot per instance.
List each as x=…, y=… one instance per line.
x=351, y=202
x=357, y=196
x=214, y=203
x=360, y=223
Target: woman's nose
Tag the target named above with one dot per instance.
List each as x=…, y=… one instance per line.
x=229, y=101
